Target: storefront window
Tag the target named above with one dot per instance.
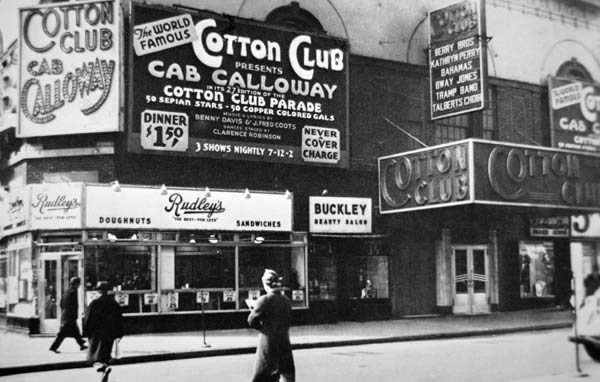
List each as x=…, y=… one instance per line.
x=193, y=274
x=288, y=262
x=20, y=282
x=322, y=273
x=129, y=269
x=367, y=277
x=366, y=271
x=536, y=261
x=204, y=278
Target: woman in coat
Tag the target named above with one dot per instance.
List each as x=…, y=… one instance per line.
x=272, y=317
x=103, y=323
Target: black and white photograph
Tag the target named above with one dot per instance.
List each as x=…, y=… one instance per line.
x=310, y=190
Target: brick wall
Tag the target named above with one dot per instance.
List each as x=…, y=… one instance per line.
x=103, y=164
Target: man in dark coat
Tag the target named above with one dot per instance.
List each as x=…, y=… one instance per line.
x=103, y=324
x=272, y=317
x=68, y=320
x=592, y=281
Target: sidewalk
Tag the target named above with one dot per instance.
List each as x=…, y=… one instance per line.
x=20, y=353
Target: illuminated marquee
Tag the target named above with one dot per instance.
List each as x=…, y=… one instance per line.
x=483, y=172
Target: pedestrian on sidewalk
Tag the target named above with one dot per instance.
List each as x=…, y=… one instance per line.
x=272, y=317
x=103, y=324
x=592, y=281
x=69, y=306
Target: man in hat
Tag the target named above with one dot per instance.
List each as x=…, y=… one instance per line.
x=69, y=306
x=103, y=324
x=272, y=317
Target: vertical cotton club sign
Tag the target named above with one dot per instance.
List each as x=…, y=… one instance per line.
x=69, y=68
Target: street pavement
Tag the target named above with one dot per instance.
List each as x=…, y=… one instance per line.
x=20, y=353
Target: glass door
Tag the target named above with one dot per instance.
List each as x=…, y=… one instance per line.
x=51, y=287
x=470, y=265
x=57, y=269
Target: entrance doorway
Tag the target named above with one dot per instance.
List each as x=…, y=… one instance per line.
x=57, y=269
x=471, y=282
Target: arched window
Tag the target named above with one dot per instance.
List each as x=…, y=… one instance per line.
x=293, y=17
x=574, y=70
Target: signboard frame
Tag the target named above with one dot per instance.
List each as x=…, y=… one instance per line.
x=350, y=215
x=569, y=172
x=581, y=131
x=95, y=113
x=139, y=207
x=464, y=65
x=209, y=137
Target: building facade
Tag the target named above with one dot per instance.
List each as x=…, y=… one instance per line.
x=178, y=150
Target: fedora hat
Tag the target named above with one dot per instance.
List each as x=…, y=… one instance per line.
x=103, y=286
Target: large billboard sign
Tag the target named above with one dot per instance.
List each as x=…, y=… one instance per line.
x=69, y=68
x=485, y=172
x=574, y=114
x=207, y=85
x=457, y=59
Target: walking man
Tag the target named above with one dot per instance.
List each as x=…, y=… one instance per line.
x=272, y=317
x=68, y=320
x=103, y=324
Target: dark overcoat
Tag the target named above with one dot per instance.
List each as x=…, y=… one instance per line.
x=69, y=307
x=103, y=323
x=272, y=317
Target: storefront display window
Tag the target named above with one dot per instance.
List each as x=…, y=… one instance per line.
x=129, y=269
x=536, y=263
x=204, y=279
x=20, y=281
x=366, y=272
x=190, y=272
x=367, y=277
x=288, y=262
x=322, y=271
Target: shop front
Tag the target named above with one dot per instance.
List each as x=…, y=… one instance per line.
x=181, y=258
x=177, y=259
x=493, y=225
x=348, y=266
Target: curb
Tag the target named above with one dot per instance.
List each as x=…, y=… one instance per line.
x=249, y=350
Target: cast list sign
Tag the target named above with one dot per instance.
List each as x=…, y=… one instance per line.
x=206, y=85
x=457, y=59
x=142, y=207
x=340, y=215
x=70, y=64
